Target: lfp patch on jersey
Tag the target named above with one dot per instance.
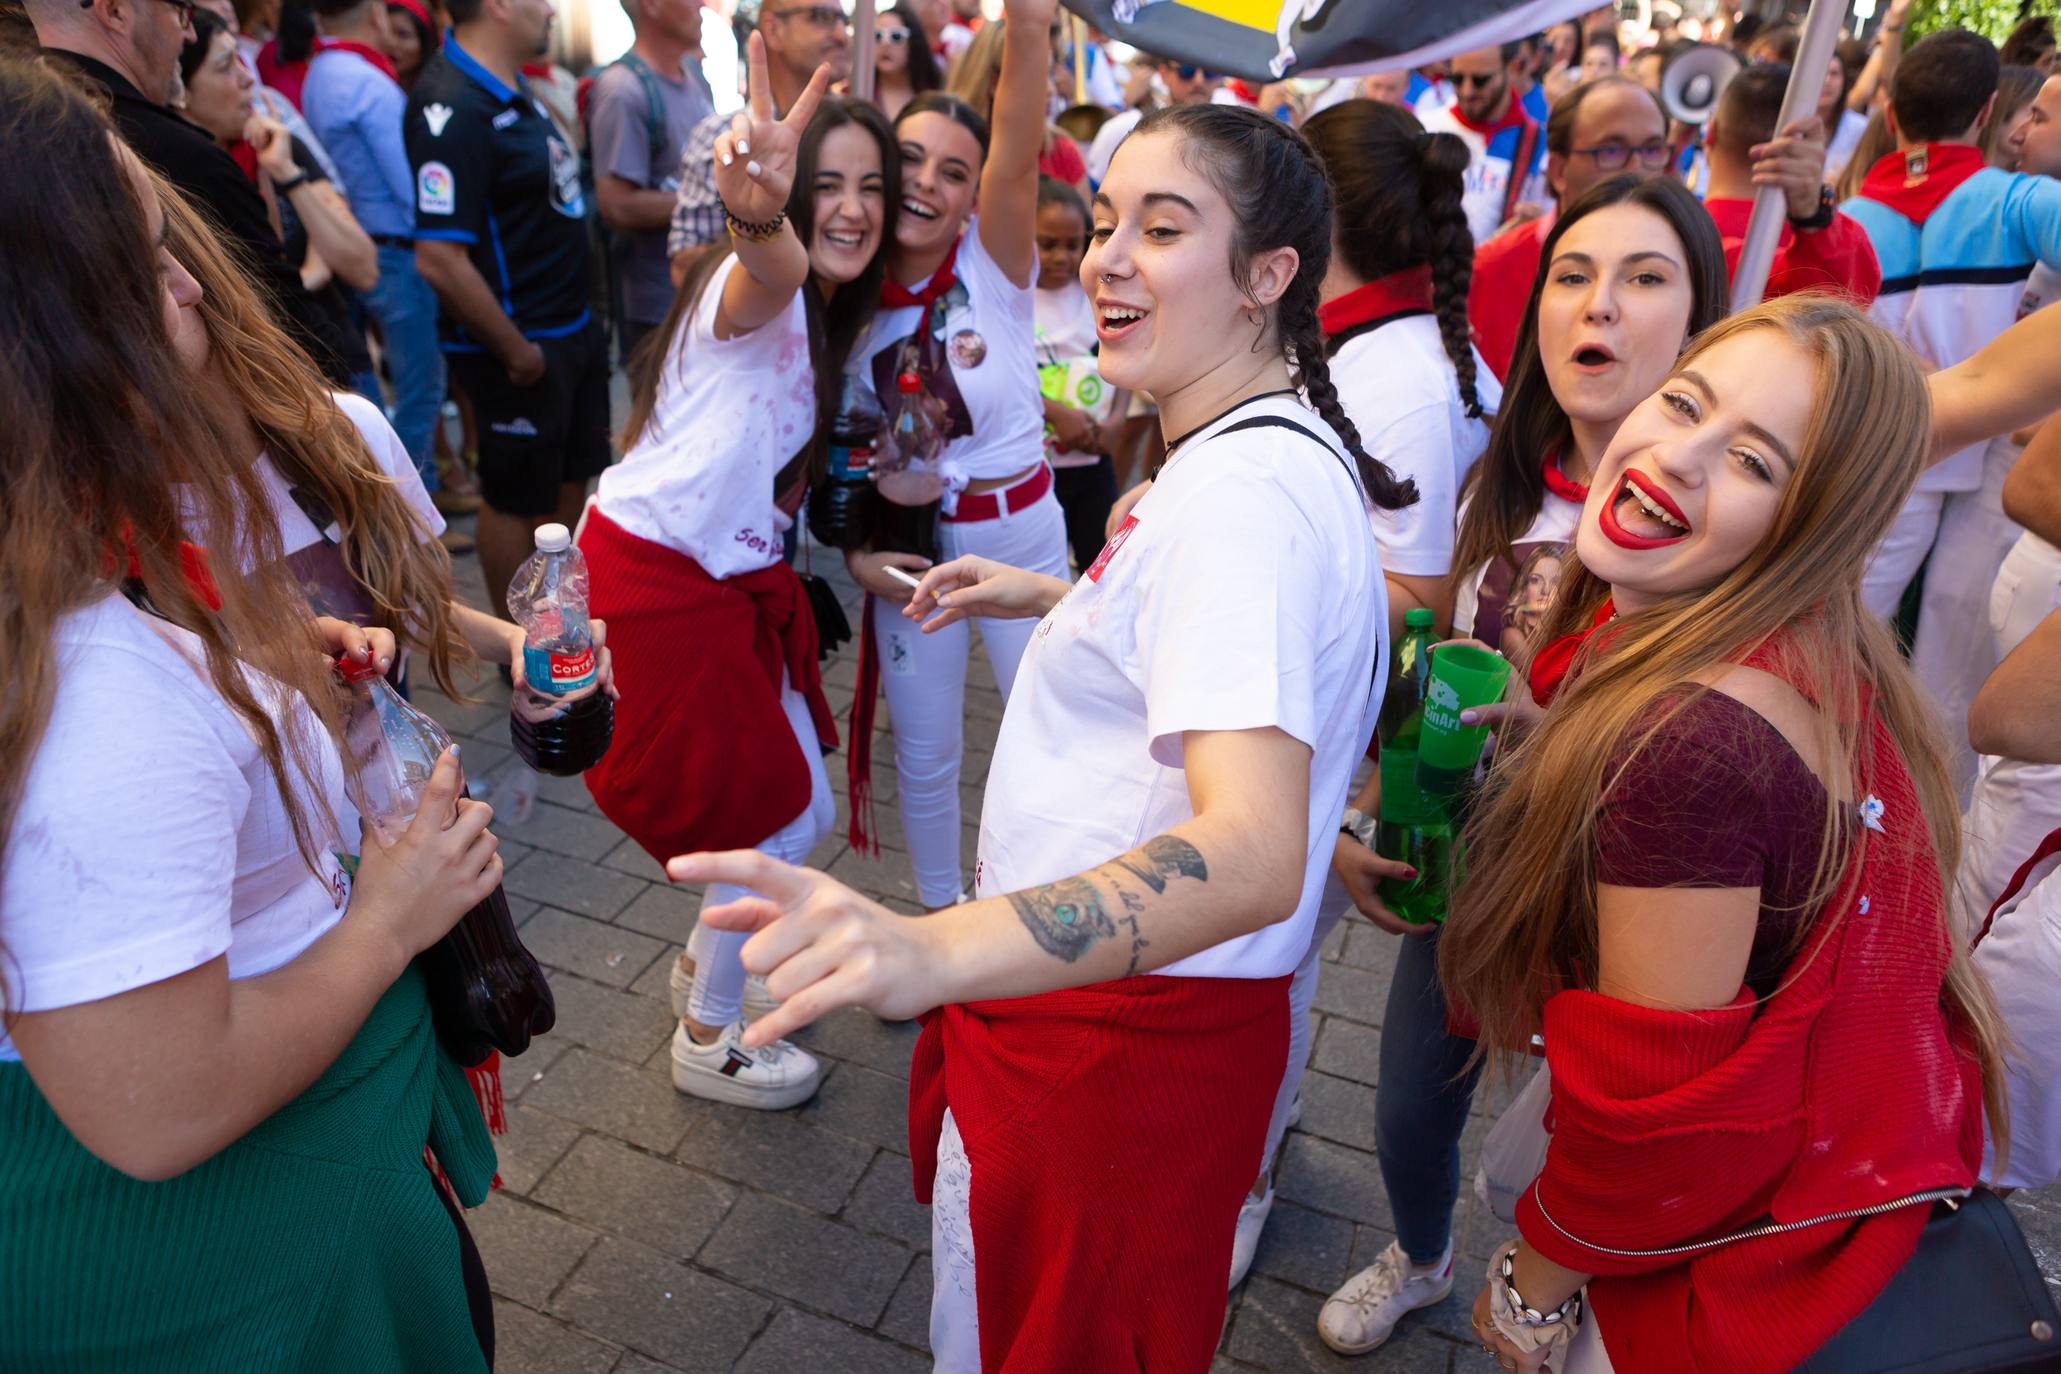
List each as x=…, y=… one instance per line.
x=436, y=193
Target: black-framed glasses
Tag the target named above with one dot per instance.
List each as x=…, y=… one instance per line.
x=821, y=16
x=1480, y=80
x=185, y=8
x=894, y=38
x=1613, y=156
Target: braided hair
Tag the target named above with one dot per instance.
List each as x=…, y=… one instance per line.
x=1399, y=192
x=1281, y=198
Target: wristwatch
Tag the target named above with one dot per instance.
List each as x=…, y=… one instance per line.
x=1828, y=205
x=297, y=180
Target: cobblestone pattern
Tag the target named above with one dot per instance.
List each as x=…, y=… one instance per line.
x=641, y=1231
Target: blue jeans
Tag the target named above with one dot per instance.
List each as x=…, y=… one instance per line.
x=406, y=308
x=1421, y=1102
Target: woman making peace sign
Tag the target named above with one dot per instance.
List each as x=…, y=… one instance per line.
x=721, y=733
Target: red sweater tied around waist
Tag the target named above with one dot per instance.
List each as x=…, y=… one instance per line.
x=1851, y=1086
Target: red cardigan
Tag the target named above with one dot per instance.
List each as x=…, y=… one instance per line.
x=1850, y=1087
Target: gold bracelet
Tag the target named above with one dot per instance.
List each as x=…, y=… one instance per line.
x=755, y=233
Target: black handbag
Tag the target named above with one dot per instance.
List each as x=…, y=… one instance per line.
x=1969, y=1298
x=833, y=629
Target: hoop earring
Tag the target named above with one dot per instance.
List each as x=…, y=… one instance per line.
x=1256, y=318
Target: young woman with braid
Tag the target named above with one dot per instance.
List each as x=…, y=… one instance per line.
x=1394, y=314
x=1631, y=270
x=1109, y=1016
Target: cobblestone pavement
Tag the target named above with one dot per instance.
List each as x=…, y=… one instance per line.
x=639, y=1230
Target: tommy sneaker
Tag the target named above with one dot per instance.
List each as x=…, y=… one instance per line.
x=769, y=1078
x=1363, y=1314
x=1252, y=1219
x=757, y=1001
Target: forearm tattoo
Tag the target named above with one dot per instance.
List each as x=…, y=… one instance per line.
x=1070, y=917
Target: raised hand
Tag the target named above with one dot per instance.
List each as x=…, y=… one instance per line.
x=1794, y=160
x=755, y=155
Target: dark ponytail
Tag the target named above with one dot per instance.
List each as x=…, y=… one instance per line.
x=1280, y=198
x=296, y=32
x=1399, y=192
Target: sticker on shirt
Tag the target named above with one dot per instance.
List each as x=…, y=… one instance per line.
x=565, y=181
x=436, y=193
x=1515, y=595
x=931, y=356
x=436, y=116
x=1110, y=550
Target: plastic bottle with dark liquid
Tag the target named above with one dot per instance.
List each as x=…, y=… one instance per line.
x=486, y=991
x=906, y=472
x=839, y=505
x=562, y=722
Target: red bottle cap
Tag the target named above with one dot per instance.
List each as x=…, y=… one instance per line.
x=357, y=672
x=909, y=383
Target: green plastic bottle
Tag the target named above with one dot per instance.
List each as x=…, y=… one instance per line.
x=1412, y=826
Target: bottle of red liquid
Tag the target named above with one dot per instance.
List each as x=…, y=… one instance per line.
x=486, y=991
x=561, y=722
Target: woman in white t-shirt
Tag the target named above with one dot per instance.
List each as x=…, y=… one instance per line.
x=218, y=1074
x=957, y=311
x=1164, y=792
x=1632, y=269
x=722, y=728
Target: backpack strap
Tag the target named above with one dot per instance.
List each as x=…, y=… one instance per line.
x=654, y=108
x=1281, y=422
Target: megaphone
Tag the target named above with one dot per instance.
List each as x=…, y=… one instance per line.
x=1694, y=78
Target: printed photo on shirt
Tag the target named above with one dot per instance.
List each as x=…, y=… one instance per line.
x=930, y=356
x=1516, y=592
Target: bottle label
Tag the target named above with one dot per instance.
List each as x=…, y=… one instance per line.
x=556, y=672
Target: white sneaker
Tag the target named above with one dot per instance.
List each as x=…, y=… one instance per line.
x=1252, y=1219
x=1361, y=1315
x=768, y=1078
x=757, y=1001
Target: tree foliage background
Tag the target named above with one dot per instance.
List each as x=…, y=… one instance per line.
x=1991, y=18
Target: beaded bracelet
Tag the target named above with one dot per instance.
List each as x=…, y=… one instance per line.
x=755, y=233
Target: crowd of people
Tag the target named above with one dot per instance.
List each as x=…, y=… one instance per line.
x=1190, y=396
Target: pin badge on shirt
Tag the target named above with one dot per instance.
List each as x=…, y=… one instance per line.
x=969, y=350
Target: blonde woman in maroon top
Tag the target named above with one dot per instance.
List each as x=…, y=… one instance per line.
x=1750, y=1001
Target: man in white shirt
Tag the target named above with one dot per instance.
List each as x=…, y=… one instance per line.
x=1508, y=163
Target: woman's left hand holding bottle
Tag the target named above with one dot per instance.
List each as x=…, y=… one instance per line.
x=755, y=155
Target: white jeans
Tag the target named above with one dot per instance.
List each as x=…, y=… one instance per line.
x=718, y=996
x=954, y=1314
x=2021, y=956
x=1302, y=990
x=1967, y=534
x=924, y=676
x=2015, y=805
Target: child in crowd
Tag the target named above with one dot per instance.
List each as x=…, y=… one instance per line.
x=1077, y=401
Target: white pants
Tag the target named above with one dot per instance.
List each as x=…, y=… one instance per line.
x=954, y=1313
x=924, y=676
x=2015, y=805
x=1967, y=534
x=2022, y=957
x=1585, y=1353
x=718, y=996
x=1302, y=990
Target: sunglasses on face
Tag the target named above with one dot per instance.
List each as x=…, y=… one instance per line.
x=1482, y=80
x=893, y=38
x=1614, y=156
x=821, y=16
x=1188, y=71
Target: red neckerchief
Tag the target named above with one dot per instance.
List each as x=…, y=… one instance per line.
x=193, y=566
x=1560, y=484
x=540, y=70
x=364, y=50
x=1913, y=181
x=1409, y=289
x=246, y=157
x=894, y=295
x=1514, y=117
x=416, y=8
x=1551, y=664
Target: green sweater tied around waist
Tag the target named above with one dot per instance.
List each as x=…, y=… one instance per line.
x=315, y=1243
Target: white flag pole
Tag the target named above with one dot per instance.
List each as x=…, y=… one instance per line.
x=862, y=50
x=1806, y=82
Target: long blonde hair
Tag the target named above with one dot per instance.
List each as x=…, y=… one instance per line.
x=315, y=446
x=1522, y=929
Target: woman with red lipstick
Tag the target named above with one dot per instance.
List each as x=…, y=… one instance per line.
x=1752, y=1001
x=1633, y=268
x=958, y=311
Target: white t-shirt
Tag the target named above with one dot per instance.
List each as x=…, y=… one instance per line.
x=729, y=416
x=989, y=386
x=297, y=531
x=1102, y=148
x=1502, y=603
x=151, y=836
x=1066, y=364
x=1400, y=391
x=1242, y=592
x=2042, y=289
x=1491, y=162
x=1845, y=139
